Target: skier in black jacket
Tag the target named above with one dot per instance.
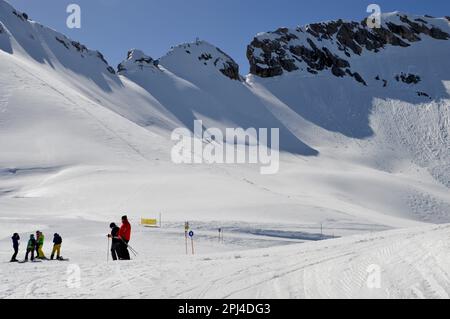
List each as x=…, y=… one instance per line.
x=116, y=242
x=15, y=239
x=57, y=242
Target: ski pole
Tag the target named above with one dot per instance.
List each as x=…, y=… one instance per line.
x=107, y=252
x=133, y=250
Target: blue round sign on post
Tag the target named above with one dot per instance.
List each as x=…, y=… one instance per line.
x=191, y=234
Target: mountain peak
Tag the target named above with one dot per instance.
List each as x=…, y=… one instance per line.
x=189, y=58
x=202, y=55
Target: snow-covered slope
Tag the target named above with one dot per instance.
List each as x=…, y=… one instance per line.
x=62, y=124
x=411, y=263
x=386, y=85
x=65, y=114
x=199, y=81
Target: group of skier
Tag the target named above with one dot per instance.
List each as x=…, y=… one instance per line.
x=36, y=244
x=120, y=239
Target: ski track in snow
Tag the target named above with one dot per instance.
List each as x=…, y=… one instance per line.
x=414, y=264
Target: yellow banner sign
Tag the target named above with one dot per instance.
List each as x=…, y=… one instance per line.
x=149, y=222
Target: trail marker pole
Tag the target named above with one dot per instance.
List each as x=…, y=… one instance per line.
x=186, y=241
x=220, y=234
x=191, y=234
x=186, y=230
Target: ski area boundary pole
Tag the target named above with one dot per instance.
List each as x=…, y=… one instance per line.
x=186, y=241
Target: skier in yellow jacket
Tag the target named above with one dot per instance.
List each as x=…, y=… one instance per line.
x=40, y=245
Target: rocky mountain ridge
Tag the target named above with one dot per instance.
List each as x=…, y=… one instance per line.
x=332, y=45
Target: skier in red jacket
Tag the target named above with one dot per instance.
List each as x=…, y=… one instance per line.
x=125, y=236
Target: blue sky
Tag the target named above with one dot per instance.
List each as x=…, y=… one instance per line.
x=115, y=26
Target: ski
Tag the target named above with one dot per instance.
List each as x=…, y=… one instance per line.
x=26, y=261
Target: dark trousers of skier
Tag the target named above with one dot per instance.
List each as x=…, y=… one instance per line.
x=116, y=251
x=16, y=251
x=124, y=250
x=30, y=250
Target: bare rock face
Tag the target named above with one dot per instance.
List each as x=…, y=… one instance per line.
x=227, y=66
x=21, y=15
x=231, y=70
x=83, y=50
x=331, y=46
x=408, y=78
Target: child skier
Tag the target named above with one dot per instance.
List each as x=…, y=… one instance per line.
x=31, y=247
x=57, y=241
x=15, y=239
x=116, y=251
x=40, y=245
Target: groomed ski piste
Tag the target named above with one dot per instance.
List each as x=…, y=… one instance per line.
x=414, y=264
x=359, y=208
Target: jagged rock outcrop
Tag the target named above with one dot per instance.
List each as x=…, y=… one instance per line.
x=330, y=46
x=423, y=94
x=83, y=50
x=21, y=15
x=408, y=78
